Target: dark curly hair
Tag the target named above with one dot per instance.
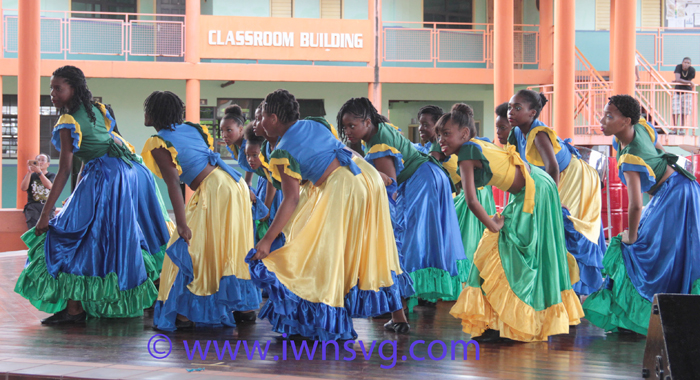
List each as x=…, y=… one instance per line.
x=361, y=108
x=502, y=110
x=460, y=114
x=535, y=100
x=283, y=104
x=81, y=93
x=434, y=111
x=165, y=109
x=234, y=112
x=251, y=137
x=628, y=107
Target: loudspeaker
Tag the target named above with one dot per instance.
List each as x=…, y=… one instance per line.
x=672, y=351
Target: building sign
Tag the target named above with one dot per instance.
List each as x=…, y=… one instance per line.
x=226, y=37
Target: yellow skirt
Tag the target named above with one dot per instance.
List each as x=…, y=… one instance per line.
x=579, y=190
x=208, y=279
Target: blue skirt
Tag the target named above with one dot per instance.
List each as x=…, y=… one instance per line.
x=664, y=259
x=588, y=255
x=94, y=250
x=151, y=220
x=431, y=246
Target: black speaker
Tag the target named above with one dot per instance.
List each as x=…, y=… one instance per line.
x=672, y=351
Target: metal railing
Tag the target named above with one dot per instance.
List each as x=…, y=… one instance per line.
x=666, y=47
x=449, y=42
x=122, y=34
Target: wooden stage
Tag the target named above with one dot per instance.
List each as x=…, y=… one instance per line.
x=117, y=349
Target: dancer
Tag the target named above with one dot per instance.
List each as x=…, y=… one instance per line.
x=89, y=259
x=503, y=126
x=272, y=197
x=578, y=184
x=204, y=276
x=340, y=259
x=660, y=253
x=257, y=162
x=231, y=127
x=520, y=288
x=432, y=251
x=427, y=117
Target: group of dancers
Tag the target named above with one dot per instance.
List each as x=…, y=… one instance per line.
x=329, y=235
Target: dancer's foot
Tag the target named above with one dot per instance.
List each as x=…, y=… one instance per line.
x=489, y=336
x=397, y=327
x=244, y=316
x=64, y=318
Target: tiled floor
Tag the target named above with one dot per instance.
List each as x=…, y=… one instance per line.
x=118, y=349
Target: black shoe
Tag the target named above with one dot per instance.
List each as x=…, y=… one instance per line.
x=422, y=302
x=400, y=327
x=489, y=336
x=64, y=318
x=244, y=317
x=626, y=331
x=183, y=325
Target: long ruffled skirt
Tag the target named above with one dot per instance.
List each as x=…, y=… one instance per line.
x=209, y=279
x=94, y=250
x=432, y=251
x=664, y=259
x=579, y=190
x=525, y=290
x=339, y=262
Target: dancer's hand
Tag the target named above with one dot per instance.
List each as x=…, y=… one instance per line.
x=252, y=196
x=499, y=221
x=42, y=225
x=184, y=232
x=263, y=249
x=626, y=237
x=385, y=178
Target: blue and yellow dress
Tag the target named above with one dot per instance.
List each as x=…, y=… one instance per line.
x=580, y=192
x=469, y=225
x=666, y=256
x=432, y=250
x=520, y=282
x=340, y=259
x=207, y=280
x=156, y=226
x=264, y=177
x=95, y=251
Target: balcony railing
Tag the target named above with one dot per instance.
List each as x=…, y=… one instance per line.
x=86, y=33
x=666, y=47
x=449, y=43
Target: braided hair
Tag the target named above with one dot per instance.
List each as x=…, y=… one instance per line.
x=81, y=93
x=283, y=104
x=628, y=107
x=462, y=115
x=235, y=113
x=361, y=108
x=434, y=111
x=251, y=137
x=535, y=100
x=165, y=109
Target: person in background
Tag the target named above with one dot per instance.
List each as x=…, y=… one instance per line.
x=682, y=101
x=37, y=183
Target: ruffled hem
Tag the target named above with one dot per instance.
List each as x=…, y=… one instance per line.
x=383, y=150
x=154, y=262
x=432, y=283
x=100, y=296
x=290, y=314
x=619, y=304
x=157, y=142
x=499, y=308
x=75, y=133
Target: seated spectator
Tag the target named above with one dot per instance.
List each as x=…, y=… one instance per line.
x=37, y=183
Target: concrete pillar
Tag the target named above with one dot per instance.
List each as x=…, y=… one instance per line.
x=625, y=41
x=564, y=67
x=503, y=56
x=546, y=34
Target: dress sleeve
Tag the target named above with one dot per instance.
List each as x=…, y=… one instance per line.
x=285, y=159
x=470, y=151
x=67, y=122
x=385, y=150
x=155, y=142
x=631, y=163
x=531, y=153
x=653, y=135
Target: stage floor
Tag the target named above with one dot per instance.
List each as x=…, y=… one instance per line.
x=111, y=349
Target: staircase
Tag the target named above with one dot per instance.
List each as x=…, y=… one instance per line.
x=653, y=92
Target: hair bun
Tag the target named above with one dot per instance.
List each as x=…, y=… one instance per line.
x=543, y=99
x=234, y=110
x=463, y=108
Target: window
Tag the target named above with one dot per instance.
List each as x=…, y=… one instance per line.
x=121, y=6
x=651, y=14
x=448, y=11
x=331, y=8
x=602, y=15
x=47, y=120
x=281, y=8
